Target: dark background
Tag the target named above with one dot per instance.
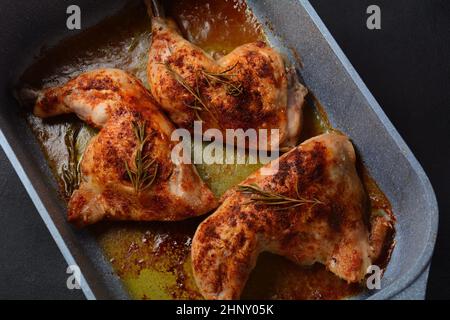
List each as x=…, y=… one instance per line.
x=406, y=65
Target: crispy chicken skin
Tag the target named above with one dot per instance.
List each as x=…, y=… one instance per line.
x=248, y=88
x=112, y=101
x=332, y=231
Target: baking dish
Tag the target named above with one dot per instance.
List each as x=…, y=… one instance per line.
x=292, y=25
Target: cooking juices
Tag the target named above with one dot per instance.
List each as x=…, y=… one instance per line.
x=153, y=259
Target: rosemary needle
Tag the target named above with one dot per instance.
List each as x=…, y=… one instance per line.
x=233, y=88
x=139, y=175
x=260, y=196
x=71, y=174
x=199, y=103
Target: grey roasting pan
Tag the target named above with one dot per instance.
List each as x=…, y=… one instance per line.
x=26, y=25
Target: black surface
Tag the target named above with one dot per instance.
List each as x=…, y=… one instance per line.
x=31, y=266
x=406, y=65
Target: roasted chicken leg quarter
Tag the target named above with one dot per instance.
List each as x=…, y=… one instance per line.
x=126, y=171
x=311, y=210
x=250, y=88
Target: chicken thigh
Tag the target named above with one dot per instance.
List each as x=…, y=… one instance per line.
x=311, y=209
x=127, y=171
x=250, y=88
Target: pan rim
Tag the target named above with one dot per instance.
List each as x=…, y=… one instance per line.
x=424, y=258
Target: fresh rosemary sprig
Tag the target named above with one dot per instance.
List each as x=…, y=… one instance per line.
x=199, y=103
x=260, y=196
x=233, y=88
x=71, y=174
x=139, y=175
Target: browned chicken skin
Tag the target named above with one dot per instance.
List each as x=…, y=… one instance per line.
x=119, y=105
x=246, y=89
x=328, y=224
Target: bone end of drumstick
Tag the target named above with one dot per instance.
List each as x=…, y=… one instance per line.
x=154, y=8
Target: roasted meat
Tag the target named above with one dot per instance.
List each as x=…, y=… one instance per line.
x=311, y=209
x=127, y=171
x=250, y=88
